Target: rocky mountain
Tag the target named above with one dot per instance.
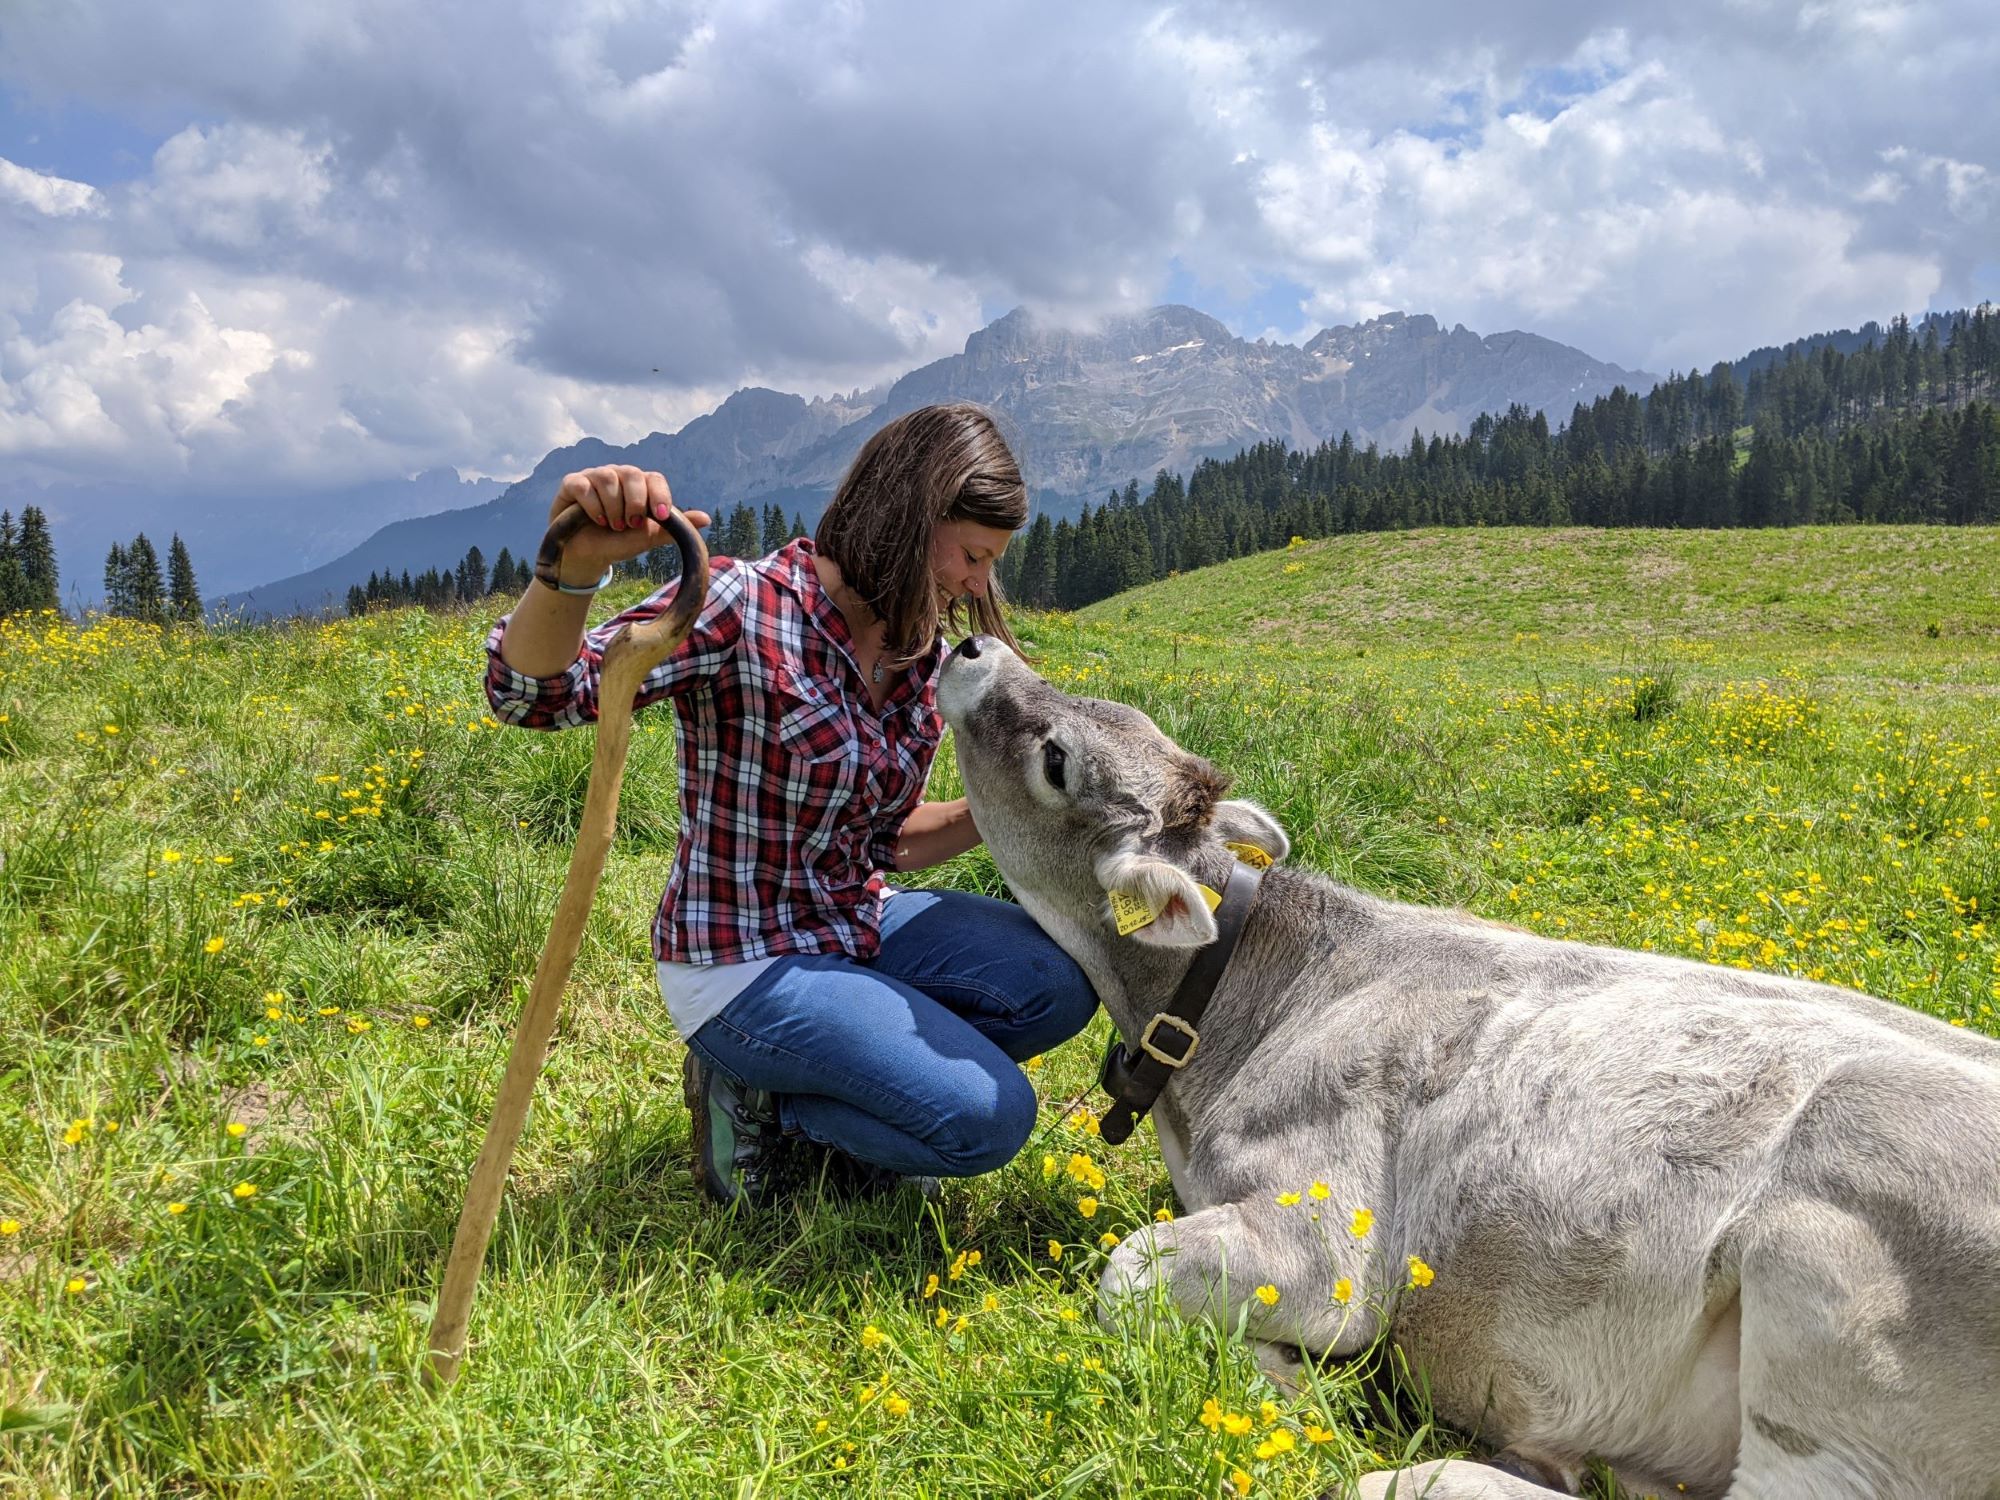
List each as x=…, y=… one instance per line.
x=1085, y=409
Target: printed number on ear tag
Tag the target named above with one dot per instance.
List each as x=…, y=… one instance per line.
x=1250, y=854
x=1129, y=912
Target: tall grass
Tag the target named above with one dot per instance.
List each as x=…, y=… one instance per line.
x=294, y=879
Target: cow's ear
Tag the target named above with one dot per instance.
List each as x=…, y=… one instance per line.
x=1155, y=902
x=1240, y=822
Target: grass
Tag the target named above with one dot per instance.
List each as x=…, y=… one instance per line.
x=293, y=879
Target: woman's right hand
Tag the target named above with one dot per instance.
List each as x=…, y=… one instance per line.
x=627, y=506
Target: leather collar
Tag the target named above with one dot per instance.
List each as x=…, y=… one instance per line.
x=1168, y=1043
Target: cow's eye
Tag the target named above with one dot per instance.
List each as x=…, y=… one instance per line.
x=1055, y=765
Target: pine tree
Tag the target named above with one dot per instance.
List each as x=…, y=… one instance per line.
x=37, y=552
x=471, y=576
x=117, y=582
x=357, y=598
x=13, y=579
x=742, y=534
x=183, y=596
x=775, y=533
x=148, y=589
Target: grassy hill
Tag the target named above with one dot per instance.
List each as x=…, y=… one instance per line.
x=289, y=879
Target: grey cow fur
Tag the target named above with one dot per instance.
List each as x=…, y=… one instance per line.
x=1722, y=1230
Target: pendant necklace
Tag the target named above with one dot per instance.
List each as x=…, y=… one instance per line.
x=876, y=675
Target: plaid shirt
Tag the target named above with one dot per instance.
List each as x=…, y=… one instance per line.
x=793, y=788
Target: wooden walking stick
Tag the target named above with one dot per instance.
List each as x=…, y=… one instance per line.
x=632, y=653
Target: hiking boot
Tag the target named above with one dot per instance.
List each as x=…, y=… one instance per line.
x=847, y=1177
x=739, y=1150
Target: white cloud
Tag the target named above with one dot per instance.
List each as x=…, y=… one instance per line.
x=383, y=237
x=57, y=197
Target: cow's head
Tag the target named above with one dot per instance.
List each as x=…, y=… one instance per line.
x=1095, y=817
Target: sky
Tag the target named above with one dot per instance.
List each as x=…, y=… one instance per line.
x=246, y=245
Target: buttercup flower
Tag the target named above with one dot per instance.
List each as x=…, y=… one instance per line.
x=1343, y=1291
x=244, y=1190
x=1420, y=1274
x=1287, y=1199
x=1361, y=1223
x=1268, y=1295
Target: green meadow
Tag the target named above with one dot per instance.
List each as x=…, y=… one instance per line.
x=269, y=897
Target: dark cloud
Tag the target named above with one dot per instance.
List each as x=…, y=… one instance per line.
x=396, y=235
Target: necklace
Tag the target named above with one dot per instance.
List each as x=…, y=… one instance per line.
x=876, y=675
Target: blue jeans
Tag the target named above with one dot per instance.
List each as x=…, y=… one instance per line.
x=908, y=1062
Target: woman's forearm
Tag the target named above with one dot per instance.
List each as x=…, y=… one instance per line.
x=545, y=631
x=935, y=832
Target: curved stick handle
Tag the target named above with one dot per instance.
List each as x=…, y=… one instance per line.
x=548, y=558
x=632, y=653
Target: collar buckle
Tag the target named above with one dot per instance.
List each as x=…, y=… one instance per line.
x=1152, y=1049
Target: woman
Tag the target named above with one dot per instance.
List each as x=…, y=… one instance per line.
x=818, y=1003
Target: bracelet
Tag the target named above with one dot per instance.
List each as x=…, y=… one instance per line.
x=589, y=589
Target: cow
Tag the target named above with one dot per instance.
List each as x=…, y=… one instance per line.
x=1732, y=1234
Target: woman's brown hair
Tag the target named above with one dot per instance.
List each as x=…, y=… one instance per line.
x=937, y=463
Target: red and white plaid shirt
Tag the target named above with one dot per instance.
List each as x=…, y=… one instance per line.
x=793, y=788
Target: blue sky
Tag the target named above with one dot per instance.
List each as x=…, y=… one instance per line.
x=293, y=245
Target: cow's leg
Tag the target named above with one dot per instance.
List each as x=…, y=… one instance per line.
x=1854, y=1373
x=1450, y=1479
x=1212, y=1264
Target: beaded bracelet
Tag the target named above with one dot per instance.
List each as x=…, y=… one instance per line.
x=589, y=589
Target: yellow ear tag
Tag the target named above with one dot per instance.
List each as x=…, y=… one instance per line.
x=1130, y=913
x=1250, y=854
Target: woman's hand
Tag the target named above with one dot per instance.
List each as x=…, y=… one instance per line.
x=627, y=506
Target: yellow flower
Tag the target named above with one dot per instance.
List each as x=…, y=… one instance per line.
x=110, y=728
x=329, y=1010
x=76, y=1285
x=930, y=1286
x=1318, y=1434
x=260, y=1041
x=1032, y=1063
x=1361, y=1223
x=820, y=1426
x=1281, y=1441
x=1235, y=1423
x=1343, y=1291
x=990, y=1303
x=177, y=1208
x=1268, y=1295
x=245, y=1190
x=1107, y=1240
x=1268, y=1410
x=873, y=1337
x=1163, y=1216
x=1048, y=1166
x=959, y=1325
x=10, y=1226
x=273, y=1013
x=420, y=1022
x=943, y=1315
x=1211, y=1414
x=863, y=1396
x=1287, y=1199
x=170, y=856
x=1055, y=1249
x=896, y=1406
x=1087, y=1207
x=236, y=1127
x=1319, y=1190
x=73, y=1135
x=971, y=1258
x=213, y=945
x=1241, y=1481
x=1420, y=1274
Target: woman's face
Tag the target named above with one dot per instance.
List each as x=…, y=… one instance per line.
x=963, y=555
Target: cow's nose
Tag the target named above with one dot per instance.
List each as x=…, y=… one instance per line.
x=969, y=647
